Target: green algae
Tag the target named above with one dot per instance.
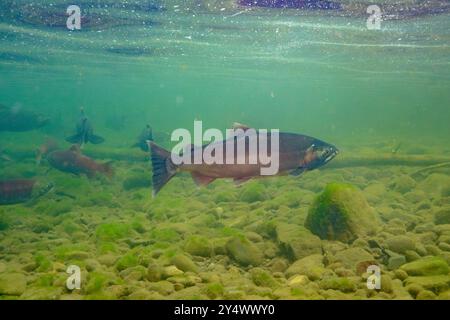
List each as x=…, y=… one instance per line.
x=127, y=261
x=112, y=231
x=341, y=212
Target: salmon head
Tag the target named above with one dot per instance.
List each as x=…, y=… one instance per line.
x=318, y=154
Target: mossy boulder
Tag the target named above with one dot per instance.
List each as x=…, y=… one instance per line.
x=244, y=252
x=262, y=278
x=353, y=257
x=112, y=231
x=400, y=244
x=338, y=283
x=442, y=216
x=341, y=213
x=198, y=246
x=296, y=241
x=184, y=263
x=311, y=266
x=12, y=284
x=427, y=266
x=127, y=261
x=403, y=183
x=253, y=192
x=437, y=284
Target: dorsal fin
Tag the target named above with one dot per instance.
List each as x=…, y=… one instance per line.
x=75, y=148
x=237, y=125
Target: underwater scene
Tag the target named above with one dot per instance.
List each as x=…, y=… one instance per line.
x=99, y=98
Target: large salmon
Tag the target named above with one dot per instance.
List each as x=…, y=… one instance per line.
x=296, y=153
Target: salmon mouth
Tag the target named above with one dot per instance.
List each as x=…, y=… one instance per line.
x=329, y=154
x=324, y=153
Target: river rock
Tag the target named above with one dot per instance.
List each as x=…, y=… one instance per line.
x=442, y=216
x=296, y=241
x=341, y=213
x=427, y=266
x=13, y=284
x=311, y=266
x=244, y=252
x=400, y=244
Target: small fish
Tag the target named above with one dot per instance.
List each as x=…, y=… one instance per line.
x=146, y=135
x=84, y=132
x=73, y=161
x=297, y=154
x=48, y=146
x=19, y=120
x=21, y=190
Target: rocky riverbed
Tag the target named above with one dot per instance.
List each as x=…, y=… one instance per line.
x=308, y=237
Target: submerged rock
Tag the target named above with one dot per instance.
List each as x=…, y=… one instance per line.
x=184, y=263
x=350, y=258
x=311, y=266
x=400, y=244
x=427, y=266
x=296, y=241
x=341, y=213
x=442, y=216
x=438, y=283
x=199, y=246
x=244, y=252
x=12, y=284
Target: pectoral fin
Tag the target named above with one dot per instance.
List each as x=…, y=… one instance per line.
x=202, y=180
x=297, y=172
x=95, y=139
x=74, y=139
x=239, y=181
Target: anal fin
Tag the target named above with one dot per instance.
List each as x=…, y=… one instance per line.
x=202, y=180
x=297, y=172
x=239, y=181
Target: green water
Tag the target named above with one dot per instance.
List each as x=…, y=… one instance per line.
x=328, y=76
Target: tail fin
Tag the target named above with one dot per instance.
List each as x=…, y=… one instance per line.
x=95, y=139
x=163, y=167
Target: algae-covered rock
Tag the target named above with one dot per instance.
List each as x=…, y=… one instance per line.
x=262, y=278
x=243, y=251
x=352, y=257
x=296, y=241
x=13, y=284
x=403, y=184
x=184, y=263
x=436, y=284
x=127, y=261
x=253, y=192
x=338, y=283
x=311, y=266
x=42, y=293
x=341, y=213
x=400, y=244
x=427, y=266
x=198, y=246
x=112, y=231
x=442, y=216
x=426, y=295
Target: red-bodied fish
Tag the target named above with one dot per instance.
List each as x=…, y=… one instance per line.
x=73, y=161
x=20, y=190
x=47, y=147
x=296, y=154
